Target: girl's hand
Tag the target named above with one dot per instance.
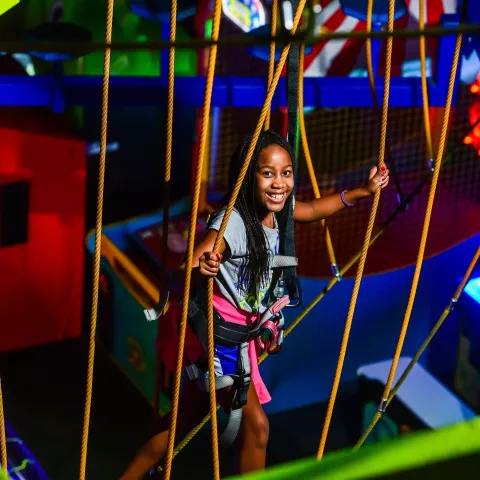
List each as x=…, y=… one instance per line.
x=377, y=179
x=209, y=263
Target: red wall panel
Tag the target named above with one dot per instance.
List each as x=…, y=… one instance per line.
x=41, y=282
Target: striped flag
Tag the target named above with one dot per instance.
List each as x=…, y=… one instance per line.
x=347, y=57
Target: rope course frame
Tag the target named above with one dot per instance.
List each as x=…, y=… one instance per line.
x=264, y=120
x=233, y=40
x=423, y=240
x=382, y=229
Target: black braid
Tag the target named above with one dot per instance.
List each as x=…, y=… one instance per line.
x=256, y=268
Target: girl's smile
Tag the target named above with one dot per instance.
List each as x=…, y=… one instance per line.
x=274, y=179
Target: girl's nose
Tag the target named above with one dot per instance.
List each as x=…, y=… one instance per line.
x=278, y=182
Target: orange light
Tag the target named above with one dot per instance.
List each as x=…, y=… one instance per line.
x=473, y=138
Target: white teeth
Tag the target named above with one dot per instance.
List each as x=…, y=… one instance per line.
x=276, y=196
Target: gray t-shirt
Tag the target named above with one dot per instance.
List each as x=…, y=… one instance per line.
x=230, y=278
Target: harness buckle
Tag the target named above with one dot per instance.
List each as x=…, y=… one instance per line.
x=240, y=394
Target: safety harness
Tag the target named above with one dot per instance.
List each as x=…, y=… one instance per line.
x=267, y=331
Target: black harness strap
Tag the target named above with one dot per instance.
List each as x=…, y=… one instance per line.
x=287, y=246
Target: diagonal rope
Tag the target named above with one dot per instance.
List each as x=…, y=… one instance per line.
x=366, y=243
x=308, y=161
x=271, y=60
x=212, y=57
x=423, y=242
x=98, y=240
x=3, y=438
x=446, y=312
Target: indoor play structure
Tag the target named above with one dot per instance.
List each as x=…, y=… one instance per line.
x=348, y=87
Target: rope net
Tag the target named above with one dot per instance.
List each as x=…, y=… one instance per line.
x=344, y=144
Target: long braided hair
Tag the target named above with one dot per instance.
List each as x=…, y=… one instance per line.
x=257, y=265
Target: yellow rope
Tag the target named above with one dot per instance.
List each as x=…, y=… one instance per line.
x=366, y=243
x=231, y=203
x=3, y=438
x=98, y=240
x=308, y=158
x=423, y=62
x=271, y=60
x=212, y=57
x=368, y=51
x=371, y=81
x=423, y=241
x=167, y=175
x=435, y=329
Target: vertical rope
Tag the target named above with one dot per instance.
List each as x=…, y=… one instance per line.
x=371, y=81
x=169, y=133
x=308, y=159
x=423, y=62
x=3, y=437
x=166, y=183
x=271, y=60
x=212, y=57
x=98, y=239
x=366, y=243
x=423, y=242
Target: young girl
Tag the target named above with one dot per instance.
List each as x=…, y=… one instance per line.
x=241, y=286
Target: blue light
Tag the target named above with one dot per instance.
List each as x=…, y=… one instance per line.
x=473, y=289
x=94, y=148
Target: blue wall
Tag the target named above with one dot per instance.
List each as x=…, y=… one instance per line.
x=303, y=372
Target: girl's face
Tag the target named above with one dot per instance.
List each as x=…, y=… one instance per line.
x=274, y=178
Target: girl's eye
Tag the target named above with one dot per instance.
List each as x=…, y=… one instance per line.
x=287, y=173
x=266, y=173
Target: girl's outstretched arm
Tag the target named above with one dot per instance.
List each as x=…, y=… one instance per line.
x=321, y=208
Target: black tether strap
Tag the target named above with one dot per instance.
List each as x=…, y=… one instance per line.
x=288, y=243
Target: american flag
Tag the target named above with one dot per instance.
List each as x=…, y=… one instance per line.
x=347, y=57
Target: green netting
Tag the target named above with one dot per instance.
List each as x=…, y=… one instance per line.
x=402, y=455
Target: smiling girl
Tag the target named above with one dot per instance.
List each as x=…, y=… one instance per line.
x=243, y=277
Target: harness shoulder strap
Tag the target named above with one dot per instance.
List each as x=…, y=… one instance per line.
x=288, y=243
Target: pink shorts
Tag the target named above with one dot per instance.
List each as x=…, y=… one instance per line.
x=240, y=317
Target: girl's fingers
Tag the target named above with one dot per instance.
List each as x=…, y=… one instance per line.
x=208, y=272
